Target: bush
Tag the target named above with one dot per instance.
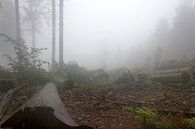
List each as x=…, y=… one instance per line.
x=26, y=65
x=145, y=115
x=192, y=82
x=5, y=74
x=167, y=125
x=123, y=79
x=186, y=77
x=72, y=71
x=189, y=123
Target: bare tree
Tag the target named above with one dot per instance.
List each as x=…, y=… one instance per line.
x=36, y=10
x=61, y=31
x=7, y=18
x=157, y=58
x=7, y=27
x=18, y=35
x=53, y=33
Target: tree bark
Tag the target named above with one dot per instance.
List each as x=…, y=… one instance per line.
x=33, y=35
x=53, y=33
x=18, y=32
x=61, y=9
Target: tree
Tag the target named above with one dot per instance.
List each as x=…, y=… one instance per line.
x=7, y=27
x=53, y=33
x=157, y=58
x=178, y=40
x=7, y=18
x=183, y=32
x=61, y=9
x=18, y=37
x=161, y=33
x=26, y=64
x=0, y=4
x=33, y=13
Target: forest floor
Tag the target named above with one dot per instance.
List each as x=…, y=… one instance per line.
x=102, y=108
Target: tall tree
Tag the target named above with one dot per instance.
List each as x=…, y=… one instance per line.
x=7, y=18
x=183, y=32
x=61, y=9
x=53, y=32
x=18, y=35
x=33, y=14
x=7, y=27
x=0, y=4
x=157, y=58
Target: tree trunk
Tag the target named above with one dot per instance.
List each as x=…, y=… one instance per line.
x=33, y=37
x=18, y=33
x=53, y=33
x=61, y=31
x=33, y=22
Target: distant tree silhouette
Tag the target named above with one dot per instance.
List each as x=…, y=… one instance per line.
x=183, y=32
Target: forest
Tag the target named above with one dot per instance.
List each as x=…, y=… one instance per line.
x=97, y=64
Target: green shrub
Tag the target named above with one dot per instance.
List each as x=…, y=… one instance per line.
x=26, y=65
x=167, y=125
x=6, y=74
x=192, y=82
x=186, y=77
x=145, y=115
x=128, y=109
x=189, y=123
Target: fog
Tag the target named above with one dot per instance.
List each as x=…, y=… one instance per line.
x=111, y=33
x=111, y=30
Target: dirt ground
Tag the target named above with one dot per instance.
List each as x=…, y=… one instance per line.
x=101, y=108
x=89, y=110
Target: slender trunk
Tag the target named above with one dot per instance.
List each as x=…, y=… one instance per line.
x=33, y=26
x=33, y=33
x=18, y=35
x=53, y=33
x=61, y=31
x=33, y=39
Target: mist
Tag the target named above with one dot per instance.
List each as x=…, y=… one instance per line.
x=111, y=34
x=113, y=64
x=107, y=32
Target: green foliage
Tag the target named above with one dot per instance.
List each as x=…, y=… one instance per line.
x=192, y=82
x=167, y=125
x=145, y=115
x=5, y=74
x=128, y=109
x=186, y=77
x=26, y=64
x=189, y=123
x=123, y=79
x=72, y=71
x=81, y=76
x=99, y=75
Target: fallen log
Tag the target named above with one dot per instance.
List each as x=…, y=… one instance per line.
x=182, y=75
x=44, y=110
